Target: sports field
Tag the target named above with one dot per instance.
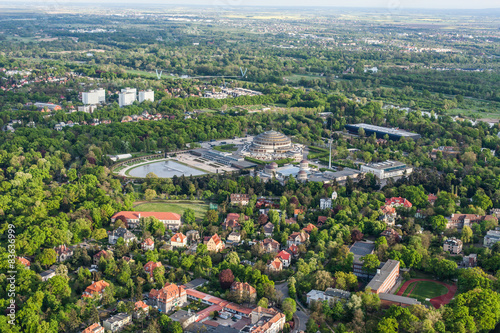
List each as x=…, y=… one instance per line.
x=199, y=207
x=438, y=292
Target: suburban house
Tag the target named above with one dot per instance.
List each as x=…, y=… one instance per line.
x=98, y=256
x=294, y=250
x=214, y=243
x=285, y=258
x=168, y=297
x=117, y=322
x=244, y=290
x=460, y=220
x=331, y=295
x=127, y=236
x=325, y=203
x=193, y=235
x=25, y=262
x=178, y=240
x=150, y=267
x=432, y=198
x=298, y=238
x=234, y=238
x=388, y=214
x=267, y=320
x=321, y=220
x=398, y=202
x=63, y=253
x=94, y=328
x=268, y=229
x=148, y=245
x=270, y=245
x=96, y=288
x=311, y=227
x=452, y=245
x=237, y=199
x=385, y=278
x=275, y=265
x=298, y=212
x=232, y=221
x=47, y=275
x=391, y=235
x=172, y=221
x=470, y=260
x=140, y=309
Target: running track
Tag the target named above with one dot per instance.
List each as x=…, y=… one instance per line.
x=436, y=301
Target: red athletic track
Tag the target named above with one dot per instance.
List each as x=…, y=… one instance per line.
x=436, y=301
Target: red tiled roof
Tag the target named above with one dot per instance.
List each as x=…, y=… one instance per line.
x=311, y=227
x=243, y=286
x=95, y=327
x=141, y=304
x=294, y=249
x=24, y=261
x=150, y=267
x=178, y=237
x=159, y=215
x=96, y=287
x=149, y=242
x=398, y=201
x=284, y=255
x=232, y=216
x=276, y=264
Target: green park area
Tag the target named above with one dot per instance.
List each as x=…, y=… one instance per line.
x=199, y=207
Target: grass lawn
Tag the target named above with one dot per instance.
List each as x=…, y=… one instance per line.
x=199, y=207
x=427, y=289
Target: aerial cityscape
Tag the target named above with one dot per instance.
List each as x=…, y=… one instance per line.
x=242, y=167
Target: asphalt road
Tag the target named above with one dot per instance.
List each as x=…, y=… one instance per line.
x=300, y=316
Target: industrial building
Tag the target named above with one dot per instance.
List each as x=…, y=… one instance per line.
x=387, y=169
x=380, y=132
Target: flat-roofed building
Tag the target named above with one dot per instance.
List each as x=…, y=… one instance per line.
x=387, y=169
x=359, y=250
x=380, y=132
x=453, y=245
x=492, y=237
x=117, y=322
x=94, y=96
x=331, y=295
x=387, y=300
x=385, y=278
x=127, y=97
x=146, y=95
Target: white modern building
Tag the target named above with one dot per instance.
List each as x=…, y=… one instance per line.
x=94, y=96
x=387, y=169
x=146, y=95
x=127, y=97
x=330, y=294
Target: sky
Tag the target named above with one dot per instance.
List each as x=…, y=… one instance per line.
x=390, y=4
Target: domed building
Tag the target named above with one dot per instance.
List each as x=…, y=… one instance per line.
x=270, y=142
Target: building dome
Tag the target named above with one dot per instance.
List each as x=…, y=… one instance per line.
x=304, y=161
x=304, y=164
x=273, y=165
x=271, y=142
x=302, y=175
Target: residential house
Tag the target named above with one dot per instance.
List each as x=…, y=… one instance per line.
x=178, y=240
x=291, y=220
x=231, y=221
x=388, y=214
x=431, y=198
x=151, y=266
x=237, y=199
x=148, y=245
x=117, y=322
x=127, y=236
x=275, y=265
x=331, y=295
x=470, y=260
x=47, y=275
x=310, y=227
x=452, y=245
x=98, y=256
x=63, y=253
x=270, y=245
x=268, y=229
x=234, y=238
x=25, y=262
x=298, y=238
x=391, y=235
x=322, y=220
x=298, y=212
x=193, y=236
x=460, y=220
x=172, y=221
x=97, y=287
x=325, y=203
x=267, y=320
x=214, y=243
x=168, y=297
x=94, y=328
x=492, y=237
x=398, y=202
x=141, y=309
x=294, y=250
x=285, y=258
x=244, y=291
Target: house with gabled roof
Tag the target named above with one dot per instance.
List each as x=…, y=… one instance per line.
x=214, y=243
x=96, y=288
x=148, y=245
x=285, y=257
x=178, y=240
x=298, y=238
x=168, y=297
x=151, y=266
x=275, y=265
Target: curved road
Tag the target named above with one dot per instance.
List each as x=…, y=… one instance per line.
x=300, y=317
